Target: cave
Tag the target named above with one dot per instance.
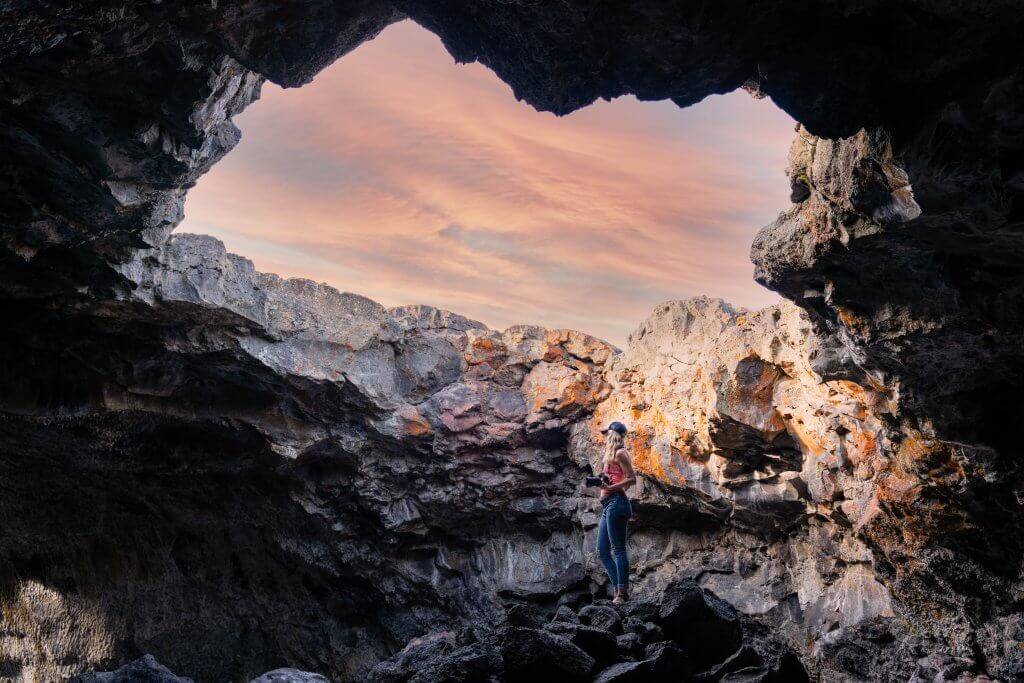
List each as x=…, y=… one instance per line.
x=232, y=472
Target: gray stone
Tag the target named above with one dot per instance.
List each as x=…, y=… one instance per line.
x=603, y=617
x=707, y=627
x=143, y=670
x=630, y=645
x=566, y=614
x=289, y=676
x=529, y=655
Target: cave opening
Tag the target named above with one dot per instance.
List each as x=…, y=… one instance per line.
x=231, y=472
x=400, y=175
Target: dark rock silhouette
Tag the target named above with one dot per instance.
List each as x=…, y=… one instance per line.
x=556, y=650
x=236, y=472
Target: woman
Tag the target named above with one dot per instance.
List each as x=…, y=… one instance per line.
x=616, y=510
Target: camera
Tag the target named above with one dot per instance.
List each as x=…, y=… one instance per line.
x=600, y=480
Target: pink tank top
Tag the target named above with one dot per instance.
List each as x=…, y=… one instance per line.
x=614, y=472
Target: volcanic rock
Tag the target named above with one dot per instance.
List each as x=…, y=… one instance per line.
x=143, y=670
x=287, y=675
x=529, y=655
x=231, y=470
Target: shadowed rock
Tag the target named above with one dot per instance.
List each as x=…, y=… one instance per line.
x=229, y=469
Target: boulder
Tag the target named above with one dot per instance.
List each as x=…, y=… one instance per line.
x=648, y=631
x=624, y=672
x=529, y=655
x=524, y=614
x=706, y=626
x=668, y=662
x=751, y=674
x=595, y=642
x=418, y=654
x=145, y=669
x=743, y=658
x=474, y=663
x=566, y=614
x=665, y=663
x=289, y=676
x=602, y=616
x=630, y=646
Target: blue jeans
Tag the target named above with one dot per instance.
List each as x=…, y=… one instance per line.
x=611, y=538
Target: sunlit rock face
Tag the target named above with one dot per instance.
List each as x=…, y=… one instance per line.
x=727, y=403
x=883, y=248
x=756, y=469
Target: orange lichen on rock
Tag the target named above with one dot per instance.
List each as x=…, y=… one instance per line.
x=586, y=389
x=811, y=441
x=898, y=489
x=861, y=445
x=851, y=320
x=914, y=449
x=648, y=460
x=645, y=457
x=412, y=423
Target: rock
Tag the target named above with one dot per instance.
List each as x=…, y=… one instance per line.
x=524, y=614
x=566, y=614
x=943, y=668
x=624, y=672
x=651, y=632
x=143, y=670
x=289, y=676
x=641, y=610
x=668, y=662
x=558, y=394
x=744, y=658
x=648, y=632
x=474, y=662
x=529, y=655
x=418, y=654
x=746, y=664
x=422, y=317
x=595, y=642
x=168, y=411
x=436, y=658
x=665, y=663
x=630, y=646
x=751, y=674
x=603, y=617
x=704, y=625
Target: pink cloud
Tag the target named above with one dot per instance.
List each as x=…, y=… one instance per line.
x=410, y=179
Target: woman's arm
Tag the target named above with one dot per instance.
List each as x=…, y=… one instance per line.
x=622, y=457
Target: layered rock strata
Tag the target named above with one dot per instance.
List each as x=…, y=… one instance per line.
x=330, y=458
x=407, y=470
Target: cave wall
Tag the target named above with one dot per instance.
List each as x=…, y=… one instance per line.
x=902, y=246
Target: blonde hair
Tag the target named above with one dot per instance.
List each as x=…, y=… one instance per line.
x=613, y=441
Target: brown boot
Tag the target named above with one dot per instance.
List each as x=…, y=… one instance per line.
x=621, y=596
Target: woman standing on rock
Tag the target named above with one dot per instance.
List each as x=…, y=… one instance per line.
x=612, y=529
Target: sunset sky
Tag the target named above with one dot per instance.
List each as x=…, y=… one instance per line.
x=402, y=176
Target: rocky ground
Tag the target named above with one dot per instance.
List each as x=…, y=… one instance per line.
x=685, y=634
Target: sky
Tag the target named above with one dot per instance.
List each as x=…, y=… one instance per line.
x=402, y=176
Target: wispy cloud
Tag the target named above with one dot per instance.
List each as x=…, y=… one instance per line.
x=410, y=179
